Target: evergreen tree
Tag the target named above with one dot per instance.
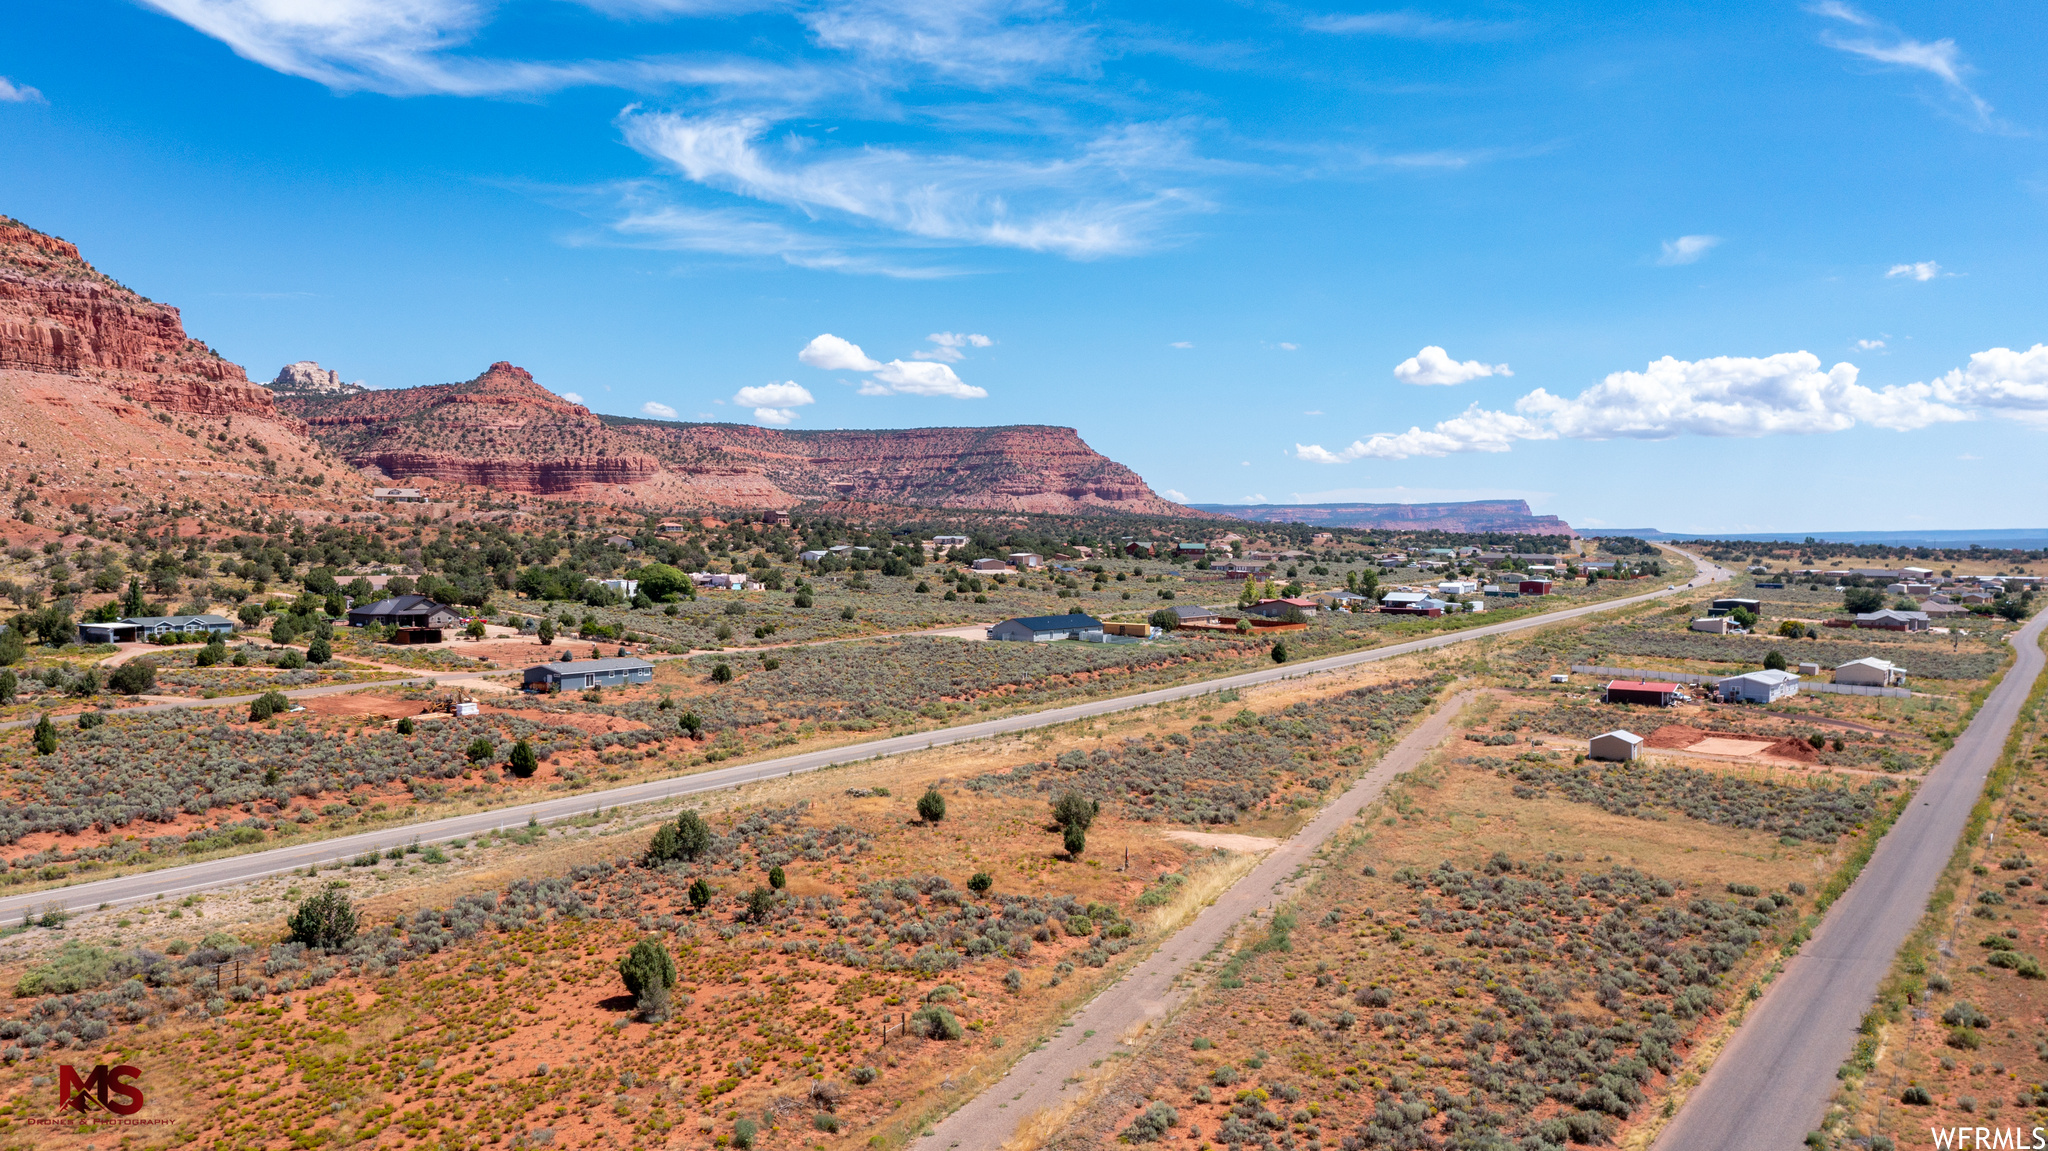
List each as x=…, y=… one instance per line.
x=46, y=735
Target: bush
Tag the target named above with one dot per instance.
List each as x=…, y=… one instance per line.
x=760, y=902
x=134, y=677
x=1916, y=1096
x=1075, y=839
x=1152, y=1124
x=1080, y=926
x=721, y=673
x=45, y=736
x=1774, y=661
x=776, y=878
x=406, y=726
x=1862, y=599
x=935, y=1022
x=743, y=1132
x=319, y=651
x=480, y=749
x=523, y=761
x=864, y=1075
x=327, y=920
x=648, y=965
x=689, y=837
x=931, y=806
x=77, y=966
x=1072, y=809
x=700, y=894
x=981, y=882
x=690, y=724
x=1279, y=651
x=268, y=704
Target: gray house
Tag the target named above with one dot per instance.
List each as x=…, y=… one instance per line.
x=131, y=629
x=406, y=611
x=582, y=674
x=1768, y=686
x=1046, y=628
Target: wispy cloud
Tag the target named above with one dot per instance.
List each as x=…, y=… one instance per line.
x=1407, y=25
x=572, y=397
x=1923, y=271
x=13, y=93
x=1938, y=58
x=659, y=411
x=946, y=346
x=1687, y=249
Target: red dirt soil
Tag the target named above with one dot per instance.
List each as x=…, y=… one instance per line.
x=1678, y=737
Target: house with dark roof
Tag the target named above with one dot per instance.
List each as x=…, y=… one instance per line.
x=1047, y=628
x=1279, y=608
x=405, y=612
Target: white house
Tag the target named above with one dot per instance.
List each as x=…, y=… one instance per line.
x=1870, y=672
x=1716, y=624
x=625, y=587
x=1621, y=746
x=1767, y=686
x=1452, y=587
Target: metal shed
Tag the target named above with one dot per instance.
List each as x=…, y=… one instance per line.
x=1617, y=745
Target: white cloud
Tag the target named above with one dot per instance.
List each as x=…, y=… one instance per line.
x=1870, y=345
x=924, y=378
x=775, y=417
x=1434, y=366
x=1287, y=347
x=12, y=93
x=832, y=354
x=1175, y=496
x=1940, y=59
x=1064, y=206
x=1313, y=412
x=658, y=411
x=573, y=397
x=1686, y=249
x=947, y=346
x=1734, y=396
x=788, y=394
x=2011, y=384
x=1476, y=430
x=1923, y=271
x=1182, y=344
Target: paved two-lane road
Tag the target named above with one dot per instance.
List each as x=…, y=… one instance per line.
x=241, y=869
x=1772, y=1083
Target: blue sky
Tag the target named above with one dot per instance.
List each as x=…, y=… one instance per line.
x=1696, y=267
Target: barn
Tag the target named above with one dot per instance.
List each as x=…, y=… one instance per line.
x=1638, y=691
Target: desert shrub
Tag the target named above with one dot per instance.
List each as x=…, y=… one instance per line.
x=935, y=1022
x=1916, y=1096
x=134, y=677
x=1152, y=1124
x=480, y=749
x=523, y=761
x=1814, y=814
x=326, y=921
x=931, y=806
x=268, y=704
x=864, y=1075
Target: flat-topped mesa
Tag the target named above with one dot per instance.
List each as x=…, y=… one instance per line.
x=60, y=315
x=503, y=430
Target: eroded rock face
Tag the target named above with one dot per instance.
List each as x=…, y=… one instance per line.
x=503, y=430
x=60, y=315
x=308, y=376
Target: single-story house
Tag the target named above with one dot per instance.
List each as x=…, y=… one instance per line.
x=1870, y=672
x=1978, y=595
x=1935, y=609
x=1278, y=608
x=1191, y=550
x=582, y=674
x=1535, y=587
x=949, y=541
x=1716, y=625
x=1617, y=745
x=1047, y=628
x=669, y=527
x=1238, y=568
x=135, y=628
x=622, y=543
x=1137, y=548
x=625, y=587
x=405, y=611
x=812, y=556
x=1022, y=560
x=990, y=565
x=1192, y=614
x=1342, y=599
x=1892, y=620
x=1458, y=586
x=771, y=517
x=721, y=581
x=1767, y=686
x=1640, y=691
x=1731, y=603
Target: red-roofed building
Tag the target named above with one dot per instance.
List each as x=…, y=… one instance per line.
x=1635, y=691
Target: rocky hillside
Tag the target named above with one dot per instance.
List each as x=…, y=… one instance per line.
x=1511, y=516
x=108, y=407
x=504, y=431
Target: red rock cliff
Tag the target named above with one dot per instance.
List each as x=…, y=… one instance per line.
x=60, y=315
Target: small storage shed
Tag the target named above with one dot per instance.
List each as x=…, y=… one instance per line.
x=1640, y=691
x=1617, y=745
x=1535, y=587
x=582, y=674
x=1715, y=624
